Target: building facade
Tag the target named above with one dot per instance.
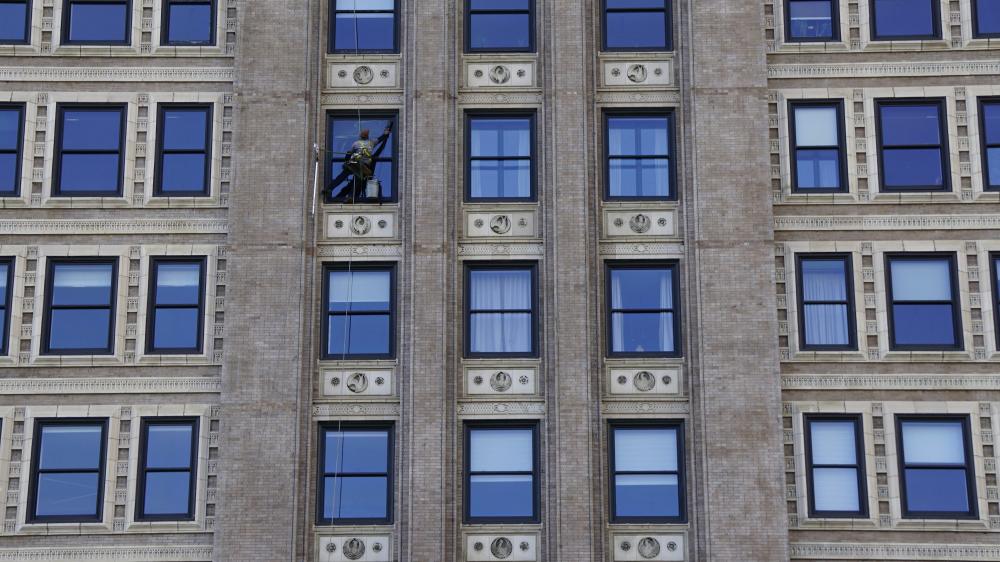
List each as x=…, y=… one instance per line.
x=605, y=280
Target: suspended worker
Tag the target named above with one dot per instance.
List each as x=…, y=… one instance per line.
x=359, y=166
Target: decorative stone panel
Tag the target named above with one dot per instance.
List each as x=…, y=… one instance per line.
x=349, y=225
x=501, y=225
x=639, y=223
x=382, y=75
x=501, y=381
x=638, y=73
x=350, y=548
x=644, y=381
x=358, y=382
x=500, y=74
x=511, y=548
x=654, y=548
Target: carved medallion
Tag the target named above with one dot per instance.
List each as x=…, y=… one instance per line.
x=648, y=547
x=361, y=225
x=500, y=224
x=501, y=548
x=644, y=381
x=637, y=73
x=501, y=381
x=499, y=74
x=354, y=549
x=363, y=74
x=357, y=383
x=640, y=224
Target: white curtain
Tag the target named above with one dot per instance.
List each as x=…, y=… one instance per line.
x=501, y=332
x=825, y=324
x=833, y=442
x=645, y=450
x=500, y=450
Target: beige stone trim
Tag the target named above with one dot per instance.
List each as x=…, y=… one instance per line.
x=109, y=554
x=21, y=227
x=887, y=222
x=115, y=73
x=110, y=385
x=882, y=69
x=894, y=551
x=890, y=382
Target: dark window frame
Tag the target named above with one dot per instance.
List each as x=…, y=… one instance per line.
x=859, y=454
x=153, y=307
x=161, y=112
x=989, y=184
x=28, y=6
x=165, y=24
x=144, y=470
x=329, y=158
x=535, y=311
x=474, y=425
x=995, y=294
x=467, y=15
x=61, y=109
x=834, y=22
x=935, y=24
x=956, y=300
x=678, y=426
x=7, y=300
x=969, y=466
x=67, y=10
x=852, y=329
x=946, y=180
x=329, y=267
x=321, y=474
x=474, y=114
x=838, y=105
x=36, y=447
x=18, y=152
x=671, y=115
x=112, y=306
x=976, y=34
x=668, y=16
x=331, y=36
x=674, y=267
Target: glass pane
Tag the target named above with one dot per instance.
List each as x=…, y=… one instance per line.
x=169, y=446
x=654, y=495
x=89, y=172
x=641, y=288
x=993, y=166
x=506, y=332
x=913, y=167
x=902, y=18
x=357, y=451
x=637, y=30
x=190, y=23
x=991, y=111
x=639, y=178
x=91, y=129
x=184, y=129
x=70, y=447
x=501, y=496
x=175, y=328
x=364, y=32
x=81, y=284
x=816, y=126
x=988, y=17
x=501, y=450
x=920, y=280
x=90, y=21
x=177, y=283
x=351, y=5
x=66, y=494
x=9, y=172
x=833, y=442
x=826, y=324
x=824, y=280
x=638, y=450
x=355, y=497
x=619, y=4
x=944, y=490
x=13, y=22
x=500, y=137
x=636, y=332
x=344, y=131
x=496, y=289
x=817, y=169
x=923, y=324
x=499, y=4
x=4, y=275
x=366, y=334
x=499, y=31
x=79, y=330
x=638, y=136
x=811, y=19
x=167, y=493
x=910, y=124
x=836, y=489
x=500, y=179
x=933, y=442
x=10, y=124
x=359, y=290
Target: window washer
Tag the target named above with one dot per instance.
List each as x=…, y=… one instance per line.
x=359, y=165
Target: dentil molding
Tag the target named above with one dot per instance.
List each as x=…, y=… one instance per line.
x=890, y=382
x=113, y=226
x=883, y=69
x=356, y=409
x=112, y=385
x=644, y=407
x=889, y=222
x=114, y=74
x=108, y=553
x=887, y=551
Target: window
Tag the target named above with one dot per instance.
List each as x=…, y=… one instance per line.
x=344, y=130
x=923, y=302
x=500, y=25
x=501, y=302
x=986, y=18
x=812, y=20
x=905, y=19
x=636, y=25
x=6, y=296
x=363, y=26
x=913, y=151
x=355, y=482
x=67, y=482
x=90, y=158
x=168, y=456
x=639, y=149
x=938, y=476
x=97, y=22
x=11, y=145
x=177, y=304
x=359, y=311
x=501, y=484
x=15, y=22
x=995, y=274
x=835, y=466
x=500, y=165
x=188, y=22
x=642, y=317
x=185, y=157
x=647, y=472
x=80, y=307
x=826, y=303
x=989, y=114
x=817, y=133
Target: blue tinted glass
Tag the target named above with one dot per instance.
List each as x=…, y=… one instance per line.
x=357, y=451
x=175, y=328
x=70, y=447
x=904, y=18
x=344, y=131
x=366, y=334
x=648, y=177
x=10, y=125
x=355, y=497
x=82, y=284
x=496, y=179
x=178, y=283
x=79, y=329
x=652, y=495
x=13, y=21
x=184, y=129
x=359, y=290
x=8, y=172
x=638, y=136
x=499, y=31
x=636, y=30
x=944, y=490
x=500, y=496
x=500, y=137
x=988, y=16
x=166, y=493
x=993, y=166
x=190, y=23
x=499, y=4
x=89, y=173
x=811, y=19
x=991, y=120
x=365, y=32
x=91, y=129
x=168, y=446
x=67, y=494
x=613, y=4
x=504, y=332
x=923, y=324
x=183, y=173
x=904, y=167
x=640, y=332
x=817, y=168
x=910, y=124
x=641, y=288
x=93, y=22
x=4, y=274
x=824, y=280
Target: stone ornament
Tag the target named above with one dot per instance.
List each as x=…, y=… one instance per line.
x=343, y=74
x=361, y=225
x=671, y=546
x=478, y=223
x=648, y=548
x=640, y=224
x=667, y=379
x=478, y=546
x=644, y=381
x=478, y=380
x=500, y=224
x=364, y=74
x=357, y=383
x=626, y=546
x=524, y=379
x=501, y=548
x=330, y=547
x=335, y=381
x=525, y=546
x=501, y=381
x=499, y=74
x=354, y=549
x=637, y=73
x=377, y=547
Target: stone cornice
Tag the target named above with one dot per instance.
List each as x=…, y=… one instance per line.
x=108, y=553
x=644, y=407
x=890, y=382
x=889, y=551
x=382, y=409
x=883, y=69
x=888, y=222
x=115, y=74
x=113, y=226
x=483, y=408
x=111, y=385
